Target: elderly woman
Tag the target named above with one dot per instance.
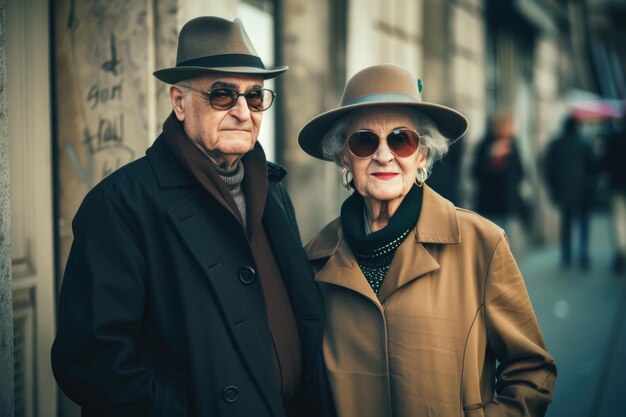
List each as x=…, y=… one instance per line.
x=423, y=299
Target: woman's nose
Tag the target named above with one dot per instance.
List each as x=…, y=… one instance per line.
x=383, y=154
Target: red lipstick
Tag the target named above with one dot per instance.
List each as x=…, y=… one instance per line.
x=385, y=175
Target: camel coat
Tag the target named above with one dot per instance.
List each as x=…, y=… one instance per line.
x=452, y=303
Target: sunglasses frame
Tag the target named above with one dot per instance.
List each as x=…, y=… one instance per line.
x=379, y=140
x=207, y=96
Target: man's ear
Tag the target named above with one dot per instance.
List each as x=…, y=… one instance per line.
x=177, y=95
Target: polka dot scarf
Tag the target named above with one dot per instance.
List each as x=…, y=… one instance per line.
x=374, y=252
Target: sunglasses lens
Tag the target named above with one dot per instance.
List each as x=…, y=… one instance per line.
x=223, y=98
x=226, y=98
x=259, y=100
x=363, y=144
x=403, y=142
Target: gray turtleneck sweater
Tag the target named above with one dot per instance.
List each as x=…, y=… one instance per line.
x=233, y=178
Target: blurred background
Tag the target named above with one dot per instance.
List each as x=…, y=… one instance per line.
x=78, y=100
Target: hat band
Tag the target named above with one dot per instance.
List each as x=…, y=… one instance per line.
x=382, y=97
x=225, y=60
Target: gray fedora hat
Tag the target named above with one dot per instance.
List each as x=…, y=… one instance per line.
x=211, y=44
x=380, y=85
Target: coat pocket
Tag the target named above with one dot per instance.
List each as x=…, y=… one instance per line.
x=473, y=410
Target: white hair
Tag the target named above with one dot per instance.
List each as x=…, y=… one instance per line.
x=186, y=85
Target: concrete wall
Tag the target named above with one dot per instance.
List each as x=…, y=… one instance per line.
x=104, y=95
x=312, y=85
x=6, y=311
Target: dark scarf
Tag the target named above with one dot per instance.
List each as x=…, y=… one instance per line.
x=374, y=252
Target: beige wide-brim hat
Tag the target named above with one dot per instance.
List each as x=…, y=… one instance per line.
x=379, y=86
x=211, y=44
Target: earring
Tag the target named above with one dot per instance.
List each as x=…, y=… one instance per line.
x=421, y=176
x=345, y=178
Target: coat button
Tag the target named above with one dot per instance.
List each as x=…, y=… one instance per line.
x=231, y=394
x=247, y=275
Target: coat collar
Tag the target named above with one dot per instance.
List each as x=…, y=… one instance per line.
x=167, y=170
x=171, y=173
x=438, y=224
x=171, y=157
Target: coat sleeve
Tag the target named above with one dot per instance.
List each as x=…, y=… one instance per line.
x=95, y=358
x=526, y=375
x=285, y=201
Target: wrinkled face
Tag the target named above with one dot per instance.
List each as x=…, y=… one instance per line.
x=225, y=135
x=383, y=176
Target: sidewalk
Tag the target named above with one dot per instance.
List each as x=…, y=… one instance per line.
x=583, y=319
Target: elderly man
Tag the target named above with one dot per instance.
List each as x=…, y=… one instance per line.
x=187, y=292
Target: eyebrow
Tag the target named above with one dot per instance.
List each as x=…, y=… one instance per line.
x=224, y=84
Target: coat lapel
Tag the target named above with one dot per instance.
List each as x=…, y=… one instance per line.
x=306, y=299
x=410, y=262
x=192, y=221
x=341, y=268
x=437, y=224
x=195, y=217
x=287, y=247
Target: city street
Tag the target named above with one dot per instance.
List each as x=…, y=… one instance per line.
x=583, y=318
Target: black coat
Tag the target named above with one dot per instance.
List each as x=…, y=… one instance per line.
x=153, y=317
x=571, y=171
x=497, y=192
x=613, y=161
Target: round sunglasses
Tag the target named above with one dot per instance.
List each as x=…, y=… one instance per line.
x=401, y=142
x=225, y=98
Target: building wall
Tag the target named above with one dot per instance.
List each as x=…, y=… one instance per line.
x=6, y=313
x=104, y=95
x=466, y=82
x=549, y=111
x=385, y=31
x=310, y=46
x=466, y=86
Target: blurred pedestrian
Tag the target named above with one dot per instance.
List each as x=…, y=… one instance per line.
x=571, y=180
x=615, y=167
x=497, y=169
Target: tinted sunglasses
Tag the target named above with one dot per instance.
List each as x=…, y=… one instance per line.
x=401, y=142
x=225, y=98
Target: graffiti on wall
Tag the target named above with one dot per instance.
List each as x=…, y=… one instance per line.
x=107, y=52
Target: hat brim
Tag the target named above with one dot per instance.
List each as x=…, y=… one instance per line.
x=176, y=74
x=450, y=123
